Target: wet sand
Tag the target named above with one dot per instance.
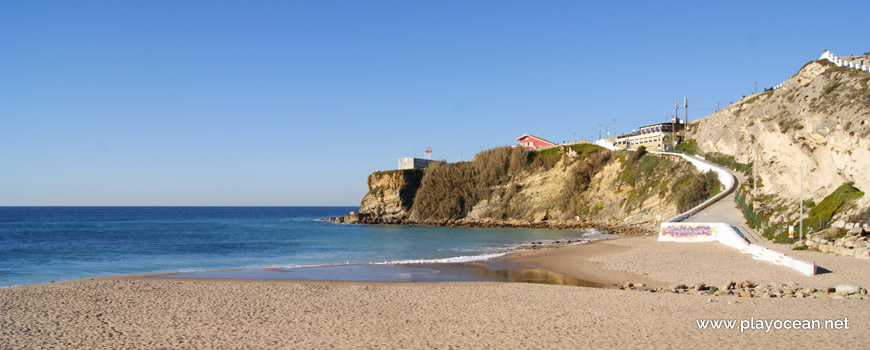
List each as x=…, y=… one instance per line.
x=147, y=312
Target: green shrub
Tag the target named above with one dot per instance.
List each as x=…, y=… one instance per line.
x=578, y=181
x=821, y=214
x=638, y=154
x=547, y=158
x=692, y=190
x=831, y=88
x=728, y=161
x=688, y=146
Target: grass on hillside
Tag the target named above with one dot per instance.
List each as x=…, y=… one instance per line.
x=652, y=174
x=547, y=158
x=821, y=214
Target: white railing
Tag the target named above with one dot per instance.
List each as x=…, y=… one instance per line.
x=840, y=62
x=843, y=63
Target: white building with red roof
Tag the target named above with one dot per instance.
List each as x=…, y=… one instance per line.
x=533, y=142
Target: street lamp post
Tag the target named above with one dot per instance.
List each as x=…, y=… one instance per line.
x=801, y=217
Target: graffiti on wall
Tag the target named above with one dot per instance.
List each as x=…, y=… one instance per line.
x=688, y=231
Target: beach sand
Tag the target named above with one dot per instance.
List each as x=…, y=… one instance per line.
x=147, y=312
x=663, y=264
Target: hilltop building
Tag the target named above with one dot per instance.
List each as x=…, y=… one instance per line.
x=655, y=137
x=413, y=163
x=533, y=142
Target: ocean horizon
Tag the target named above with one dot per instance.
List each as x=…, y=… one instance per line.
x=44, y=244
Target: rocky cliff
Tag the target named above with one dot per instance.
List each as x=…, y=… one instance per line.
x=389, y=198
x=514, y=187
x=817, y=119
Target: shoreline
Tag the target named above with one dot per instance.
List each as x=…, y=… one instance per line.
x=449, y=264
x=574, y=261
x=154, y=311
x=616, y=228
x=603, y=263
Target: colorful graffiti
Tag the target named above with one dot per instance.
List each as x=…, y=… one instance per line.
x=688, y=231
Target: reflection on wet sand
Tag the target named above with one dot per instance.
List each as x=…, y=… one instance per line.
x=448, y=272
x=503, y=272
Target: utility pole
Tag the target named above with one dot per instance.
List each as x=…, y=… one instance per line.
x=801, y=218
x=599, y=131
x=755, y=172
x=614, y=130
x=717, y=106
x=686, y=104
x=674, y=125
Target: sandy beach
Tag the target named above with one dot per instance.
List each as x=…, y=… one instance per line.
x=147, y=312
x=663, y=264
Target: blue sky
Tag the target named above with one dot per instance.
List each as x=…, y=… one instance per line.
x=296, y=102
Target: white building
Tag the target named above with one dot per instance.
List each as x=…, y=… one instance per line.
x=655, y=137
x=414, y=163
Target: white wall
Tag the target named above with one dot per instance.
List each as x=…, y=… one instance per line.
x=693, y=232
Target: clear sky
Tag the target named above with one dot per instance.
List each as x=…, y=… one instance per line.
x=296, y=102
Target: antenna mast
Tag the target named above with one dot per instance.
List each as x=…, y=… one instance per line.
x=686, y=104
x=428, y=153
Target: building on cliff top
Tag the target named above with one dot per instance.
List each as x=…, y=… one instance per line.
x=413, y=163
x=658, y=137
x=533, y=142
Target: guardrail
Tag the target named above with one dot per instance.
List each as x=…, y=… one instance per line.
x=725, y=177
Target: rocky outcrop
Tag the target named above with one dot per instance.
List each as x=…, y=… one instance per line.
x=819, y=119
x=854, y=243
x=389, y=198
x=617, y=193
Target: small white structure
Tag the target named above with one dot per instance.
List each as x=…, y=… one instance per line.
x=841, y=62
x=413, y=163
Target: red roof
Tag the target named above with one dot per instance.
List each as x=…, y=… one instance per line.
x=533, y=142
x=536, y=138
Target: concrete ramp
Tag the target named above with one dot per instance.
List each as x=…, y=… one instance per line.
x=691, y=232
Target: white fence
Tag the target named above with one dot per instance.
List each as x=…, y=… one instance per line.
x=839, y=62
x=843, y=63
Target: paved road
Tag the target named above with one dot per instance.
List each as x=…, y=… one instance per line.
x=726, y=211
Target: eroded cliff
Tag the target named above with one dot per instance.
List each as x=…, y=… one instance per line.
x=583, y=185
x=819, y=119
x=389, y=198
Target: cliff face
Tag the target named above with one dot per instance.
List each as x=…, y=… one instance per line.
x=819, y=118
x=609, y=196
x=391, y=194
x=516, y=188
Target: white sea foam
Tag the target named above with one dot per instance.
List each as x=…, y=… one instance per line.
x=502, y=251
x=455, y=259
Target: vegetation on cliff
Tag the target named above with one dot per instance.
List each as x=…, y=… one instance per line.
x=665, y=178
x=817, y=120
x=821, y=214
x=556, y=183
x=449, y=191
x=571, y=200
x=690, y=146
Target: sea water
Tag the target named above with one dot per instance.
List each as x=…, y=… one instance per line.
x=43, y=244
